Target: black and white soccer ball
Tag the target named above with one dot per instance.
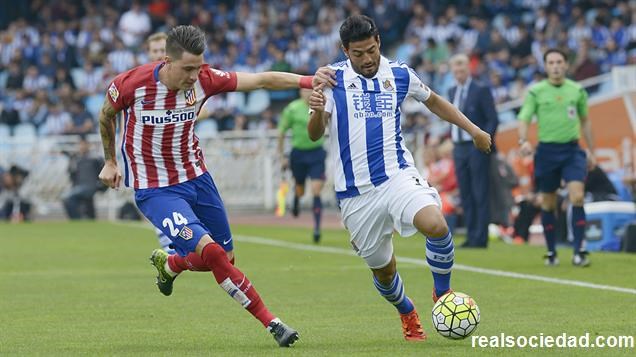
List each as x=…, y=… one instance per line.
x=455, y=315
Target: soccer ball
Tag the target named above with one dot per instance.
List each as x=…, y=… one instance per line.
x=455, y=315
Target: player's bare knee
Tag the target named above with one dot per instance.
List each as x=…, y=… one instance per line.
x=548, y=202
x=437, y=229
x=577, y=197
x=386, y=274
x=300, y=190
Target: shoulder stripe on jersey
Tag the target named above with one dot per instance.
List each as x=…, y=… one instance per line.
x=402, y=81
x=374, y=133
x=340, y=100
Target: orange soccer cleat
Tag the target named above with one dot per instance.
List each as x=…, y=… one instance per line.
x=411, y=327
x=435, y=297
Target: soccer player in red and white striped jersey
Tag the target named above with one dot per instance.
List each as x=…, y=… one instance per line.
x=165, y=165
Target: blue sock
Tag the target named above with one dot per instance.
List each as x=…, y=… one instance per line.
x=578, y=227
x=395, y=294
x=440, y=255
x=548, y=220
x=317, y=213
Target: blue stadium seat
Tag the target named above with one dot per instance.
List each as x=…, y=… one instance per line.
x=25, y=131
x=5, y=131
x=206, y=129
x=257, y=101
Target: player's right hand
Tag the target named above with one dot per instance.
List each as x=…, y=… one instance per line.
x=482, y=141
x=284, y=163
x=526, y=148
x=110, y=175
x=317, y=99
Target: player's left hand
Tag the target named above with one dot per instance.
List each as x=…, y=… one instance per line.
x=324, y=75
x=482, y=141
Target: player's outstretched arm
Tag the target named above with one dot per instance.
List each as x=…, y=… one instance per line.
x=318, y=117
x=246, y=82
x=110, y=174
x=445, y=110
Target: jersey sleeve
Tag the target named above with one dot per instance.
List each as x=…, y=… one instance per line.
x=418, y=90
x=121, y=94
x=529, y=107
x=215, y=81
x=581, y=105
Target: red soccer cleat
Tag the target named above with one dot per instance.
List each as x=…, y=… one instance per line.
x=435, y=297
x=411, y=327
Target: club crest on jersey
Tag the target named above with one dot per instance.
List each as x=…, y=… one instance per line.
x=387, y=85
x=186, y=233
x=113, y=92
x=190, y=96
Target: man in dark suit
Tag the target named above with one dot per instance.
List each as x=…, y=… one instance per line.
x=472, y=166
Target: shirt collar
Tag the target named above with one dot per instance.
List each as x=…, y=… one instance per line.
x=466, y=84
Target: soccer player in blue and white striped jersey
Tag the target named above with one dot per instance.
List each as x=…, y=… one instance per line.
x=376, y=182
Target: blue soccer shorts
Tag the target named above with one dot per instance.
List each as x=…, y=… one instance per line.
x=553, y=162
x=307, y=163
x=187, y=211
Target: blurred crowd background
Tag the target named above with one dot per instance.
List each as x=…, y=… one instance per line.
x=56, y=57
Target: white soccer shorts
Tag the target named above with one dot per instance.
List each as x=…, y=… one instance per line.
x=371, y=217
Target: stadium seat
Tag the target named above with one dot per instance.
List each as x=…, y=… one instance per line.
x=4, y=75
x=236, y=100
x=206, y=129
x=5, y=131
x=25, y=131
x=257, y=101
x=94, y=104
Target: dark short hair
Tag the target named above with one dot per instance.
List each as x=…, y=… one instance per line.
x=357, y=28
x=186, y=38
x=555, y=50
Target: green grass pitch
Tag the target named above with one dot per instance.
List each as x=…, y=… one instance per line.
x=88, y=289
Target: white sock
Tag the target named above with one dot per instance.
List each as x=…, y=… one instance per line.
x=276, y=320
x=169, y=271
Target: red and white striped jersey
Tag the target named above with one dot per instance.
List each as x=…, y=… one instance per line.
x=159, y=146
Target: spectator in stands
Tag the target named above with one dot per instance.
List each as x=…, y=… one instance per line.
x=598, y=186
x=15, y=208
x=14, y=77
x=58, y=121
x=134, y=25
x=82, y=120
x=83, y=169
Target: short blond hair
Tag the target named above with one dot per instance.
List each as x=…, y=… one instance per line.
x=157, y=36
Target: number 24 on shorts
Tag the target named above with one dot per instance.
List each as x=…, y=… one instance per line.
x=178, y=220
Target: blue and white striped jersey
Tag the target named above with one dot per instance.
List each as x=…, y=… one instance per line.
x=366, y=136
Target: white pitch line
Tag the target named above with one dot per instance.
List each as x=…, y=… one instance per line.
x=422, y=262
x=415, y=261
